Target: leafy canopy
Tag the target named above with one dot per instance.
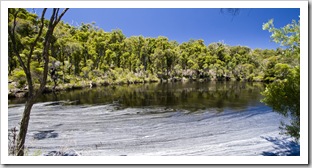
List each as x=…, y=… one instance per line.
x=283, y=95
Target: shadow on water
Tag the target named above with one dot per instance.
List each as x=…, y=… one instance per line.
x=282, y=147
x=45, y=134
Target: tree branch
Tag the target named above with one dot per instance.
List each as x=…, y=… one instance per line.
x=12, y=37
x=25, y=68
x=37, y=38
x=53, y=22
x=60, y=17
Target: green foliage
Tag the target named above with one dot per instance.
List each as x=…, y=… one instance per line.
x=258, y=78
x=269, y=72
x=19, y=76
x=288, y=35
x=283, y=95
x=88, y=53
x=36, y=70
x=282, y=70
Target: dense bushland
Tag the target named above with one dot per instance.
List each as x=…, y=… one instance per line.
x=87, y=55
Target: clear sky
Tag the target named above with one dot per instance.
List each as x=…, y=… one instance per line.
x=183, y=24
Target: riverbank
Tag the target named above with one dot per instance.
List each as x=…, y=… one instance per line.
x=79, y=83
x=15, y=92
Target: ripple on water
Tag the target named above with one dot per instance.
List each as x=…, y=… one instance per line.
x=172, y=121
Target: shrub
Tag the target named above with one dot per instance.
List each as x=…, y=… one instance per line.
x=19, y=76
x=258, y=78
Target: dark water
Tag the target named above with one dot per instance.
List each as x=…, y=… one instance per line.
x=190, y=96
x=175, y=119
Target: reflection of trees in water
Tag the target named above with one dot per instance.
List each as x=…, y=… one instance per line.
x=190, y=96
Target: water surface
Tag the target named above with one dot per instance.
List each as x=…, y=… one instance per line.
x=210, y=119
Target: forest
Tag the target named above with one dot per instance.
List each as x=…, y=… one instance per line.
x=86, y=56
x=50, y=55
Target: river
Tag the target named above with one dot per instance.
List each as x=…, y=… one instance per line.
x=174, y=119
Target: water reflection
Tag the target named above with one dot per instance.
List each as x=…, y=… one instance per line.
x=191, y=96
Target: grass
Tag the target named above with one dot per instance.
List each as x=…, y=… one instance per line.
x=12, y=145
x=13, y=149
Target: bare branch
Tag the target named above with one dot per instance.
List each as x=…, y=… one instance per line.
x=57, y=11
x=60, y=17
x=45, y=54
x=37, y=38
x=53, y=22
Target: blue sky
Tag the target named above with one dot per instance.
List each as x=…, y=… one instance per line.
x=183, y=24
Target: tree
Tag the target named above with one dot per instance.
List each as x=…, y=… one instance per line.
x=18, y=33
x=283, y=95
x=86, y=52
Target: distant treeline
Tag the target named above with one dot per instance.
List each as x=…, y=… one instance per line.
x=87, y=54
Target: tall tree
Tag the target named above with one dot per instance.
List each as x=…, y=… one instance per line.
x=34, y=36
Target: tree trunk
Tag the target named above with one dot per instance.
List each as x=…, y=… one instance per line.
x=32, y=94
x=24, y=126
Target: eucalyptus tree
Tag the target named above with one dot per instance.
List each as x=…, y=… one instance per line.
x=99, y=42
x=161, y=56
x=129, y=57
x=220, y=53
x=59, y=48
x=199, y=53
x=183, y=55
x=149, y=48
x=116, y=44
x=26, y=31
